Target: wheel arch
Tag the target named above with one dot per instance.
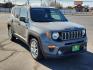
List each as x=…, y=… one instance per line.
x=34, y=35
x=37, y=37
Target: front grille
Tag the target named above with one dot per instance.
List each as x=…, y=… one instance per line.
x=69, y=35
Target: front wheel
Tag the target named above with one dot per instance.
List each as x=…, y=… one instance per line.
x=35, y=49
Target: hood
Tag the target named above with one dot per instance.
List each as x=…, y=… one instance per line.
x=57, y=25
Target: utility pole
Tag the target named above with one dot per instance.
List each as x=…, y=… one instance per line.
x=55, y=2
x=4, y=1
x=28, y=2
x=13, y=1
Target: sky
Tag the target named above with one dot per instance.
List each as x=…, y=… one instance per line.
x=63, y=2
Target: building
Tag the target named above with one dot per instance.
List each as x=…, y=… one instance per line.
x=78, y=5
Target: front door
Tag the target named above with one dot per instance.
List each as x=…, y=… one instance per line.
x=23, y=27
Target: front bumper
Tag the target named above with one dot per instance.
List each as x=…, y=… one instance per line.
x=65, y=47
x=66, y=51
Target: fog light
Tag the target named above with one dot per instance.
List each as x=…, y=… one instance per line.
x=59, y=52
x=51, y=46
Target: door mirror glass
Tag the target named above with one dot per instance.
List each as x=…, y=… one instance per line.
x=24, y=19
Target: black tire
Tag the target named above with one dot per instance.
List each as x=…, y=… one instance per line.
x=10, y=34
x=36, y=51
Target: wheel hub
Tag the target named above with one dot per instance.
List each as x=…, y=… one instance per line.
x=34, y=49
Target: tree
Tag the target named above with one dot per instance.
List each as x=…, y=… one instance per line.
x=8, y=5
x=57, y=5
x=86, y=8
x=70, y=7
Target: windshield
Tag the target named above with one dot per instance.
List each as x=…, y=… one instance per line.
x=46, y=15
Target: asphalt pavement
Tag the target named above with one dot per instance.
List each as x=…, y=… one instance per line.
x=15, y=55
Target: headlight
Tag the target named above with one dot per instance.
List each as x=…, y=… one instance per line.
x=55, y=35
x=83, y=32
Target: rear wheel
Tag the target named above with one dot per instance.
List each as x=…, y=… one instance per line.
x=35, y=49
x=10, y=34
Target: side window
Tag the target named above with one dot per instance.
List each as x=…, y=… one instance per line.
x=17, y=12
x=23, y=12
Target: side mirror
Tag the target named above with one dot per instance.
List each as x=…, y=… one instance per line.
x=24, y=19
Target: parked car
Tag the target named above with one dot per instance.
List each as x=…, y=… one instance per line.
x=46, y=31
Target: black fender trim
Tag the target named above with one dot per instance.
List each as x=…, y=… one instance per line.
x=36, y=35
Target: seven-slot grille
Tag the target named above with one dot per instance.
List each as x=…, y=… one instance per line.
x=71, y=35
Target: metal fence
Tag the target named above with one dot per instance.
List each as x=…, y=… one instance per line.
x=68, y=11
x=73, y=12
x=7, y=10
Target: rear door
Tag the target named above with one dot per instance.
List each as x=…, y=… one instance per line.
x=15, y=19
x=23, y=27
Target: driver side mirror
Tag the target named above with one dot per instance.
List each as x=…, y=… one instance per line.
x=24, y=19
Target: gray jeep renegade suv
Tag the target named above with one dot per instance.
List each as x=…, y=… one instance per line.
x=46, y=31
